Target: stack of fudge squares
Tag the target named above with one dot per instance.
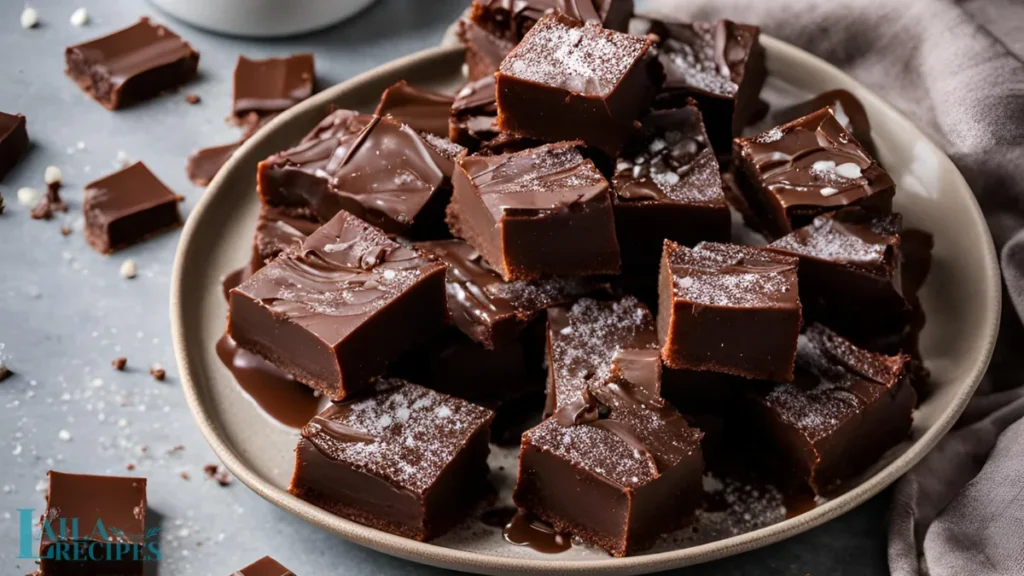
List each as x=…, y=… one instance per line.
x=431, y=264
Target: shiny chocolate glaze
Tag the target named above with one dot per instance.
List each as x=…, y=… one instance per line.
x=272, y=85
x=422, y=110
x=512, y=19
x=848, y=111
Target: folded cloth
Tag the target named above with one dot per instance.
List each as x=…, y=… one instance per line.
x=955, y=68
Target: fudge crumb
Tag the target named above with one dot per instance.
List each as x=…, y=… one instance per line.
x=130, y=467
x=29, y=18
x=128, y=269
x=65, y=230
x=215, y=472
x=79, y=18
x=5, y=372
x=193, y=99
x=50, y=203
x=185, y=476
x=119, y=363
x=157, y=372
x=176, y=449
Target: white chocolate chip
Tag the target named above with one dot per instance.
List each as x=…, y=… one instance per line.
x=64, y=435
x=829, y=191
x=28, y=196
x=685, y=282
x=128, y=268
x=848, y=170
x=29, y=18
x=79, y=17
x=52, y=175
x=823, y=166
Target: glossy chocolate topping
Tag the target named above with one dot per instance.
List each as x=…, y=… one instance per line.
x=119, y=502
x=123, y=193
x=513, y=18
x=847, y=108
x=401, y=432
x=278, y=232
x=671, y=161
x=850, y=236
x=813, y=161
x=203, y=164
x=550, y=177
x=136, y=49
x=272, y=85
x=265, y=566
x=525, y=530
x=475, y=109
x=421, y=110
x=730, y=275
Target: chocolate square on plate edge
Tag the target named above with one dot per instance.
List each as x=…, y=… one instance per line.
x=277, y=232
x=545, y=211
x=567, y=80
x=615, y=467
x=133, y=64
x=272, y=85
x=844, y=409
x=14, y=141
x=127, y=207
x=794, y=172
x=401, y=458
x=512, y=20
x=334, y=313
x=484, y=51
x=848, y=110
x=728, y=308
x=116, y=503
x=265, y=566
x=719, y=64
x=422, y=110
x=667, y=185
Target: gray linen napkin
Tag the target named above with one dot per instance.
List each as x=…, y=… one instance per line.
x=956, y=69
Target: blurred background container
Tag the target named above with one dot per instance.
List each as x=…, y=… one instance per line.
x=262, y=18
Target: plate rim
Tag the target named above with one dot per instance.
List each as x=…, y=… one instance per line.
x=432, y=554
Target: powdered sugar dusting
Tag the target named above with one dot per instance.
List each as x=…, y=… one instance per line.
x=827, y=239
x=737, y=276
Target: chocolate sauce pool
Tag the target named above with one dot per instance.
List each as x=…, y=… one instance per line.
x=524, y=530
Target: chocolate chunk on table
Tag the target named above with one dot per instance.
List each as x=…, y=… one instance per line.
x=843, y=410
x=544, y=211
x=850, y=277
x=848, y=111
x=335, y=312
x=14, y=141
x=592, y=343
x=490, y=310
x=719, y=64
x=133, y=64
x=401, y=458
x=567, y=80
x=615, y=468
x=422, y=110
x=474, y=114
x=116, y=503
x=512, y=20
x=794, y=172
x=265, y=566
x=203, y=164
x=667, y=185
x=272, y=85
x=277, y=232
x=728, y=308
x=128, y=207
x=484, y=50
x=382, y=171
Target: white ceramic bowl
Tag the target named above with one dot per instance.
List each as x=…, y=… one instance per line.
x=262, y=18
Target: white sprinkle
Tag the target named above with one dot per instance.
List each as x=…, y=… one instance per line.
x=773, y=135
x=128, y=268
x=122, y=423
x=390, y=274
x=567, y=330
x=657, y=145
x=385, y=421
x=183, y=533
x=443, y=412
x=17, y=450
x=8, y=488
x=28, y=196
x=711, y=484
x=823, y=166
x=96, y=382
x=64, y=435
x=29, y=18
x=122, y=159
x=80, y=145
x=829, y=191
x=52, y=175
x=79, y=17
x=848, y=170
x=402, y=414
x=42, y=486
x=685, y=282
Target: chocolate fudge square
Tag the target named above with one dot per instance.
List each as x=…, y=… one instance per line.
x=401, y=458
x=667, y=185
x=512, y=20
x=484, y=50
x=277, y=232
x=335, y=312
x=126, y=208
x=14, y=141
x=614, y=468
x=118, y=502
x=728, y=308
x=567, y=80
x=850, y=279
x=810, y=166
x=133, y=64
x=474, y=114
x=382, y=171
x=718, y=64
x=272, y=85
x=488, y=309
x=594, y=342
x=844, y=409
x=846, y=107
x=544, y=211
x=265, y=566
x=422, y=110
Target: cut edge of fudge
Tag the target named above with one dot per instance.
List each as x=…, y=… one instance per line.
x=115, y=215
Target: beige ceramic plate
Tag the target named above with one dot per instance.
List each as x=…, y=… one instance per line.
x=961, y=298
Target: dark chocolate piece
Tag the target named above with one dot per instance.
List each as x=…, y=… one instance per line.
x=474, y=114
x=265, y=566
x=88, y=519
x=335, y=312
x=421, y=110
x=278, y=232
x=667, y=185
x=382, y=171
x=133, y=64
x=128, y=207
x=203, y=164
x=593, y=343
x=541, y=212
x=484, y=50
x=794, y=172
x=727, y=308
x=718, y=64
x=272, y=85
x=14, y=141
x=488, y=309
x=843, y=410
x=615, y=467
x=848, y=111
x=402, y=458
x=567, y=80
x=512, y=19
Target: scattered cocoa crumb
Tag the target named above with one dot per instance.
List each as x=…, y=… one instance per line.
x=185, y=476
x=4, y=371
x=193, y=99
x=145, y=448
x=176, y=449
x=157, y=372
x=50, y=203
x=130, y=467
x=65, y=231
x=119, y=363
x=215, y=472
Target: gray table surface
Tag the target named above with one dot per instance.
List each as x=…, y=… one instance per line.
x=65, y=312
